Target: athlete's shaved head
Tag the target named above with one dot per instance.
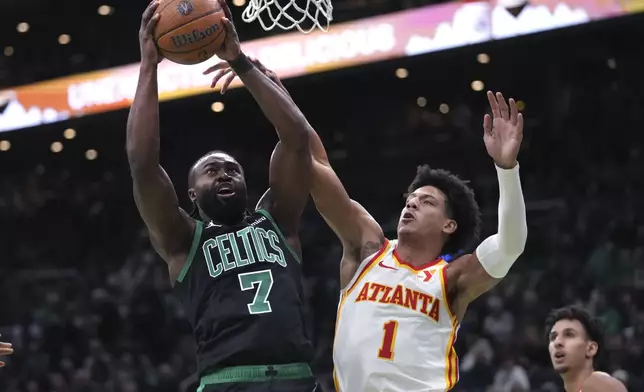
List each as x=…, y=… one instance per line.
x=217, y=188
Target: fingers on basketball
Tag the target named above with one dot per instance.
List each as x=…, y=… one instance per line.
x=149, y=28
x=149, y=12
x=230, y=28
x=224, y=6
x=180, y=21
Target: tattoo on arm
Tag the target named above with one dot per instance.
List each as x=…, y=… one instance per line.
x=371, y=247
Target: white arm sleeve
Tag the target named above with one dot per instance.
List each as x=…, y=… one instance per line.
x=499, y=251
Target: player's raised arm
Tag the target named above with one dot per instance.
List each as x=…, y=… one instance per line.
x=479, y=272
x=290, y=167
x=170, y=227
x=360, y=234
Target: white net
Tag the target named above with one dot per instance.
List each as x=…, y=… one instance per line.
x=287, y=14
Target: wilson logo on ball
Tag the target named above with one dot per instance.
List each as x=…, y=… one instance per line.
x=184, y=7
x=194, y=36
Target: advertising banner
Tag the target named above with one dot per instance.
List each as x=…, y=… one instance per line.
x=411, y=32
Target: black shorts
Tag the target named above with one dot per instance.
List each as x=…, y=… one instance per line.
x=295, y=377
x=304, y=385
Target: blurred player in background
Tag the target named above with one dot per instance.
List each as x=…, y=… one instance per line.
x=401, y=303
x=575, y=340
x=236, y=272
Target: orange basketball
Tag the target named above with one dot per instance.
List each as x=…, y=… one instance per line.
x=189, y=31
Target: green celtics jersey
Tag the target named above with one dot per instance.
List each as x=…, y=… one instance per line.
x=241, y=288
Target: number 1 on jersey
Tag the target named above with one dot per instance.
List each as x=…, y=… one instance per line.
x=264, y=282
x=388, y=340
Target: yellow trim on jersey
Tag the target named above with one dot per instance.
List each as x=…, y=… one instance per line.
x=336, y=384
x=374, y=260
x=405, y=266
x=370, y=264
x=443, y=272
x=451, y=359
x=411, y=269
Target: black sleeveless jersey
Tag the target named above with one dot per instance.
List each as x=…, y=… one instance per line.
x=241, y=288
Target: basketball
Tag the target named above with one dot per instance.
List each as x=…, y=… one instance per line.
x=189, y=31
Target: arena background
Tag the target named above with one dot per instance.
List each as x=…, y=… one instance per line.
x=87, y=304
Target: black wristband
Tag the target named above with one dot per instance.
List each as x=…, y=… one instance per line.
x=241, y=64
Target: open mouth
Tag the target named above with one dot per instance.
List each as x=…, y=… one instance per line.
x=225, y=189
x=559, y=355
x=408, y=216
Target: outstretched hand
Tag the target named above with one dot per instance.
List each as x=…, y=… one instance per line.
x=226, y=73
x=503, y=131
x=5, y=349
x=231, y=48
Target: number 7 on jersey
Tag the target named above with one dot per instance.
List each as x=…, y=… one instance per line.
x=386, y=350
x=263, y=282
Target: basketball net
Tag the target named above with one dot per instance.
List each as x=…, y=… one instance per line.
x=290, y=15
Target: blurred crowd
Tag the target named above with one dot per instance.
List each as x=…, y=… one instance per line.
x=87, y=304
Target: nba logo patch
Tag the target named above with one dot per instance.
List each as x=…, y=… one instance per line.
x=184, y=8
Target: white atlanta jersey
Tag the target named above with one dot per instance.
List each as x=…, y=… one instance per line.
x=395, y=331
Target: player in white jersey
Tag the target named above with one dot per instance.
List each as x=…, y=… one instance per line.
x=401, y=312
x=400, y=303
